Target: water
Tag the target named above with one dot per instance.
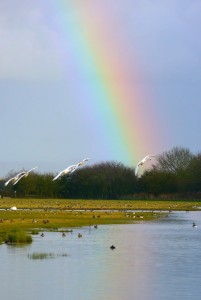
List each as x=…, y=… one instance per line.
x=152, y=261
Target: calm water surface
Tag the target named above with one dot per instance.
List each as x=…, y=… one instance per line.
x=152, y=261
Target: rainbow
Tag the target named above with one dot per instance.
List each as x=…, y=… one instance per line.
x=113, y=86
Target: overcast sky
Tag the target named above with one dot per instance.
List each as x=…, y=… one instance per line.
x=45, y=118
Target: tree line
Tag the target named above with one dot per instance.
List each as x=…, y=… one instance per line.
x=174, y=174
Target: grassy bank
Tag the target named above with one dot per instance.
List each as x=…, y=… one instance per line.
x=48, y=204
x=55, y=214
x=55, y=219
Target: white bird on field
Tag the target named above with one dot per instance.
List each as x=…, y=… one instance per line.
x=70, y=169
x=19, y=176
x=148, y=157
x=13, y=208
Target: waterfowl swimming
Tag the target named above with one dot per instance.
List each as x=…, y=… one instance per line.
x=194, y=225
x=112, y=247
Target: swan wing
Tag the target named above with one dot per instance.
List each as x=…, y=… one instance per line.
x=83, y=161
x=136, y=170
x=58, y=175
x=141, y=162
x=74, y=169
x=18, y=178
x=31, y=170
x=9, y=180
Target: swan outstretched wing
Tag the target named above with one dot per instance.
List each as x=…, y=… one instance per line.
x=13, y=179
x=70, y=169
x=148, y=157
x=58, y=175
x=19, y=176
x=73, y=169
x=22, y=174
x=136, y=170
x=9, y=180
x=18, y=179
x=64, y=172
x=31, y=170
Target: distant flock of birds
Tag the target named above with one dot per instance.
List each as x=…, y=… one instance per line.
x=68, y=170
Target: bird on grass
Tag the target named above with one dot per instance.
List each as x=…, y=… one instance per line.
x=146, y=158
x=13, y=208
x=70, y=169
x=19, y=176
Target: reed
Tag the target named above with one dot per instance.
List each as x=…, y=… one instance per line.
x=40, y=255
x=17, y=237
x=35, y=232
x=44, y=255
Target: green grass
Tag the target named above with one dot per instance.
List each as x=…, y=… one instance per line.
x=33, y=215
x=35, y=232
x=61, y=204
x=23, y=220
x=17, y=237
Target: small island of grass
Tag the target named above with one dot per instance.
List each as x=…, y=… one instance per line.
x=17, y=237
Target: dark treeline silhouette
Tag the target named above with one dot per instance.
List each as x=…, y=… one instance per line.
x=175, y=174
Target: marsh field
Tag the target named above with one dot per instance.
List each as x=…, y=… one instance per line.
x=51, y=248
x=61, y=214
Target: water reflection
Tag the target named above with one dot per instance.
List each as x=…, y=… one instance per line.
x=152, y=261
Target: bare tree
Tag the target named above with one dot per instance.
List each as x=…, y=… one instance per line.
x=174, y=161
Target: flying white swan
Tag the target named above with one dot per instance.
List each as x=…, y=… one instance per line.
x=148, y=157
x=70, y=169
x=19, y=176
